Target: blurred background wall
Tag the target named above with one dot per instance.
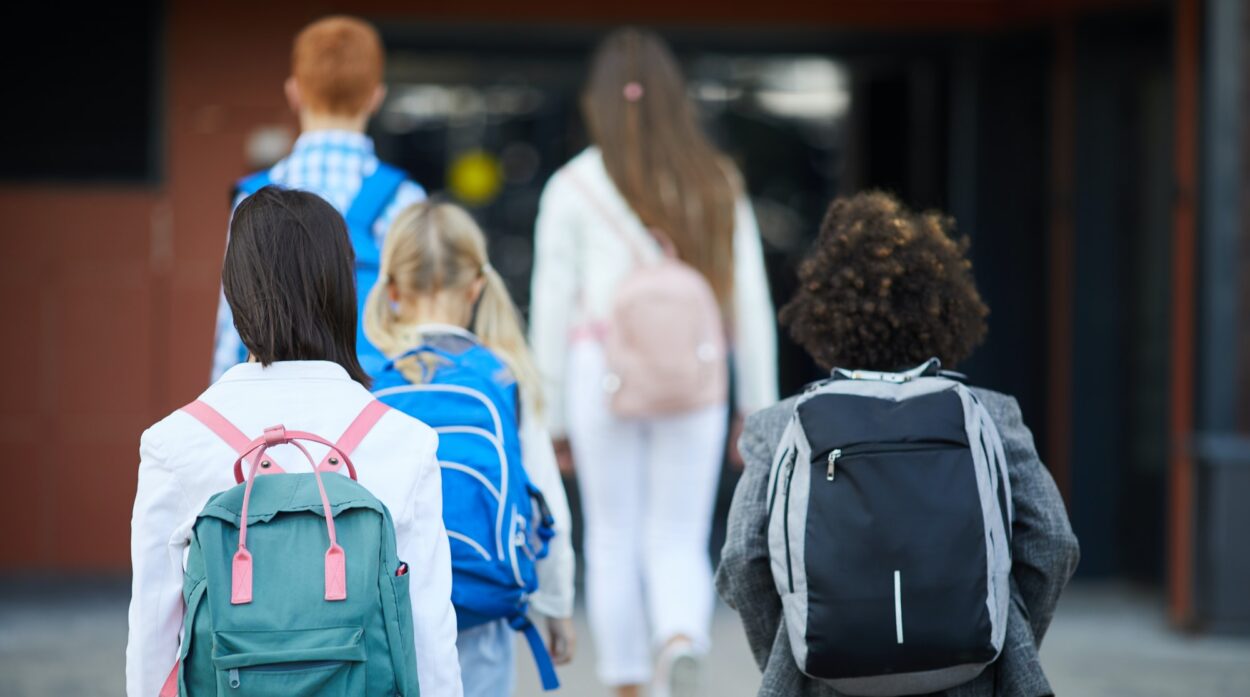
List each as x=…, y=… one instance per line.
x=1093, y=150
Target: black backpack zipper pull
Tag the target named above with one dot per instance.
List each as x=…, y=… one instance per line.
x=833, y=463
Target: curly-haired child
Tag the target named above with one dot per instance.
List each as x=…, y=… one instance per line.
x=885, y=288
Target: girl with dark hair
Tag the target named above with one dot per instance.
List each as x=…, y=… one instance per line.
x=651, y=198
x=885, y=288
x=288, y=277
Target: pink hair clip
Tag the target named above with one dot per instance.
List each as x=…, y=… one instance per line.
x=633, y=91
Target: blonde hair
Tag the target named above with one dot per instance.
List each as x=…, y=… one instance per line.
x=434, y=247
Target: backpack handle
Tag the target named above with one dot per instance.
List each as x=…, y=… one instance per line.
x=335, y=560
x=931, y=367
x=289, y=437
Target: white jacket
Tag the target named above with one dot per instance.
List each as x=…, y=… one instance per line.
x=579, y=260
x=556, y=571
x=183, y=463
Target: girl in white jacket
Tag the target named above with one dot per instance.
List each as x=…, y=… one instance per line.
x=289, y=280
x=647, y=484
x=437, y=289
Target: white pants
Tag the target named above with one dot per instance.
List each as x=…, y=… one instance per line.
x=648, y=488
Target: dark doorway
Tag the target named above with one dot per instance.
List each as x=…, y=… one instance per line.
x=1122, y=232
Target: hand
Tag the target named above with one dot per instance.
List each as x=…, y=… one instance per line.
x=561, y=639
x=735, y=432
x=564, y=456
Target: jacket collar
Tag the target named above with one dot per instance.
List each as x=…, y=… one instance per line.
x=432, y=328
x=286, y=370
x=347, y=141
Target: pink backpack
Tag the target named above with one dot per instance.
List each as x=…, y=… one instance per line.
x=665, y=341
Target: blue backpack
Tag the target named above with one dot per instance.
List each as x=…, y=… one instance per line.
x=376, y=192
x=497, y=521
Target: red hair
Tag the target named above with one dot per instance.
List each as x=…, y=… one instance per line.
x=337, y=63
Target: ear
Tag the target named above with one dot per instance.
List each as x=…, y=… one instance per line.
x=392, y=292
x=375, y=102
x=476, y=288
x=291, y=88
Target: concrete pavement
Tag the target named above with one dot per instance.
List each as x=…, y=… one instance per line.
x=1107, y=641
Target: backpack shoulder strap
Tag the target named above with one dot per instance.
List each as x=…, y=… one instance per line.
x=221, y=426
x=376, y=191
x=542, y=659
x=597, y=203
x=251, y=184
x=218, y=424
x=356, y=432
x=170, y=687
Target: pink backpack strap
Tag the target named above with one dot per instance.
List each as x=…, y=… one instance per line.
x=170, y=688
x=220, y=425
x=356, y=432
x=665, y=242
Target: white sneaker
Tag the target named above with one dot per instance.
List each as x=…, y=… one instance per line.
x=677, y=671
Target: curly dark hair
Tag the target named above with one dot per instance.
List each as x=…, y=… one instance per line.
x=885, y=288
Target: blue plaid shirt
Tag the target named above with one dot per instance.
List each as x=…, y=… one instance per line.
x=331, y=164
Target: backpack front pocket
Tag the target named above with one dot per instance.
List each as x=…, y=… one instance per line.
x=284, y=663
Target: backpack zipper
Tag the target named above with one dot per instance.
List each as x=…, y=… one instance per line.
x=785, y=524
x=844, y=452
x=517, y=538
x=235, y=680
x=772, y=498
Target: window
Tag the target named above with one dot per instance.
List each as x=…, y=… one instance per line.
x=81, y=94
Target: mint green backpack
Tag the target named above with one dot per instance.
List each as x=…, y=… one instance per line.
x=292, y=583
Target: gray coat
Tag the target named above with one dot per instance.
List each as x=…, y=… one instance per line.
x=1044, y=555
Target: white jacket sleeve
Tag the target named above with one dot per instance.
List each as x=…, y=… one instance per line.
x=422, y=543
x=553, y=294
x=555, y=571
x=156, y=565
x=755, y=321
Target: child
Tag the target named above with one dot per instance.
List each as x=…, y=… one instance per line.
x=652, y=185
x=435, y=284
x=289, y=282
x=884, y=289
x=334, y=87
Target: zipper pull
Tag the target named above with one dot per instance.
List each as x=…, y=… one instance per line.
x=833, y=462
x=233, y=676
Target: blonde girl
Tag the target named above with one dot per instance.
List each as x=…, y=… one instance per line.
x=438, y=291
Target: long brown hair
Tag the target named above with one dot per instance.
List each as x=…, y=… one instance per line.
x=638, y=113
